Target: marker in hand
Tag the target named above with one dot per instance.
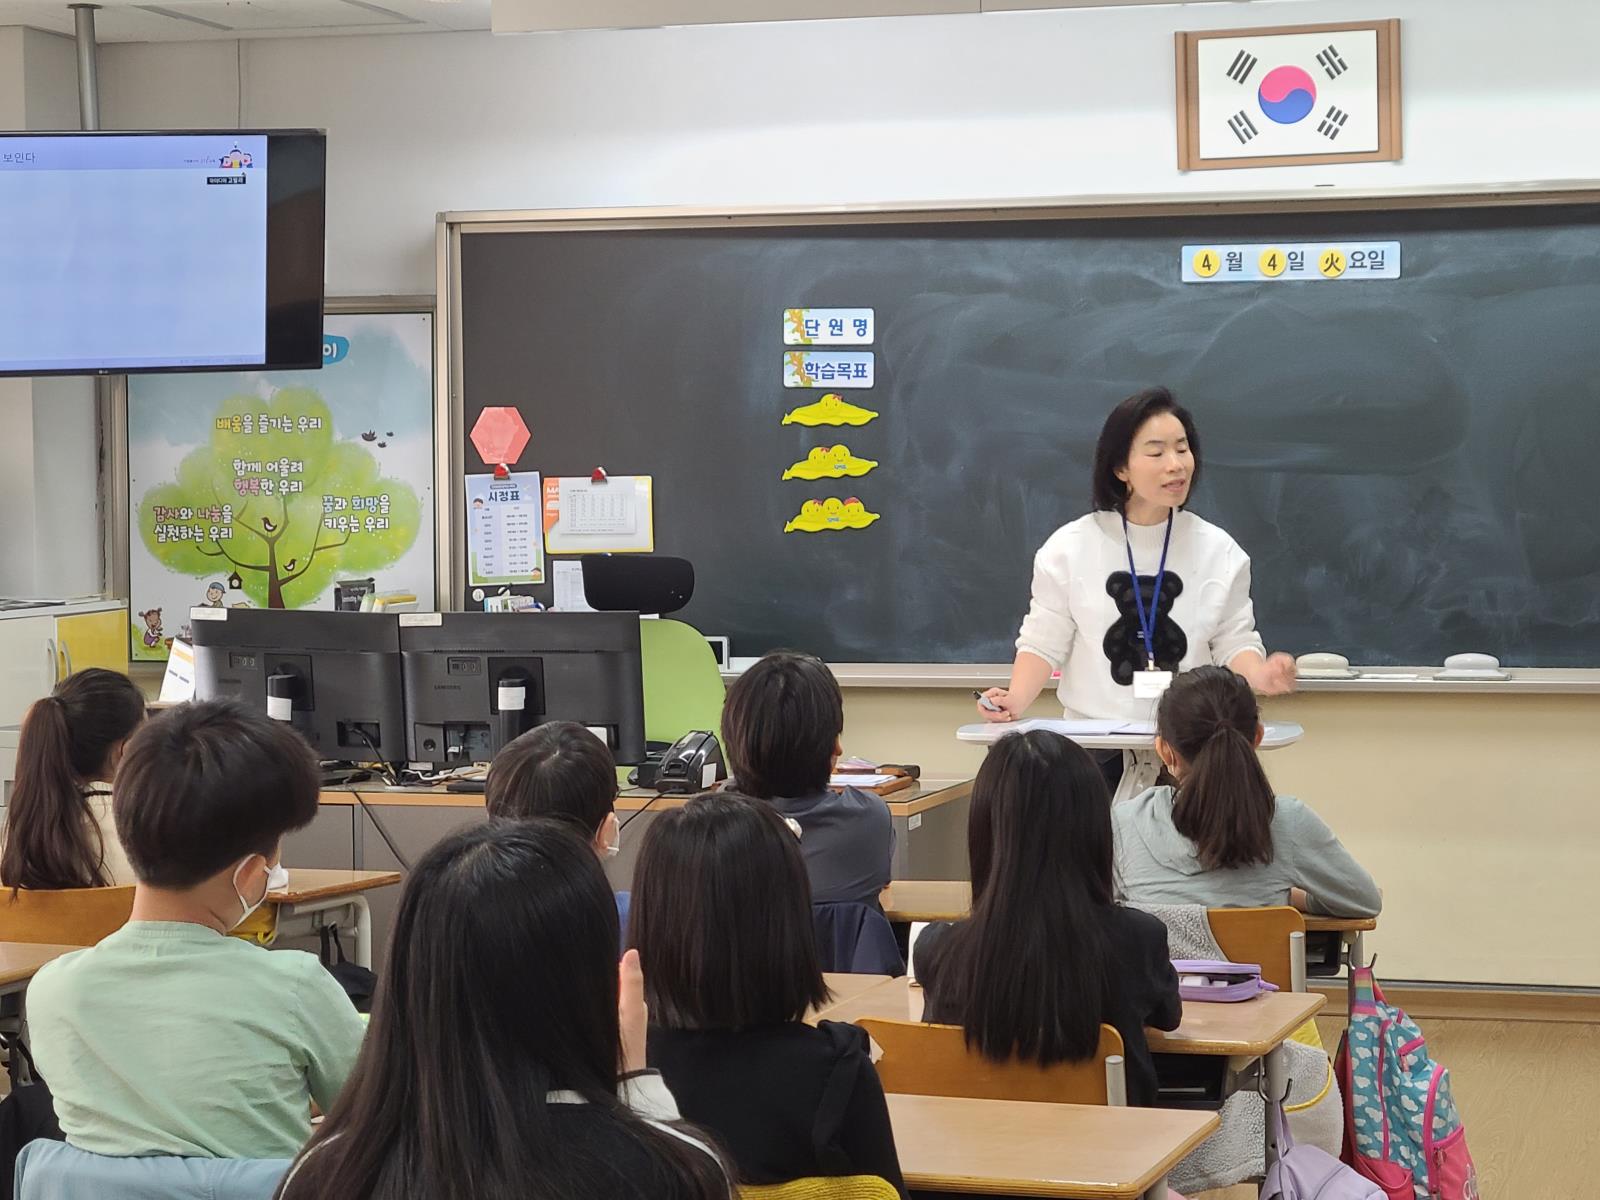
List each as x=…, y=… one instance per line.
x=986, y=703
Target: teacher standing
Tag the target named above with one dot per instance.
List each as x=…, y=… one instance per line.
x=1117, y=643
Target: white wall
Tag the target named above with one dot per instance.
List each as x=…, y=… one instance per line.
x=49, y=515
x=1000, y=105
x=13, y=86
x=50, y=80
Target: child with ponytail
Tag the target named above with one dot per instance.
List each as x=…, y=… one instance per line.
x=1223, y=838
x=59, y=830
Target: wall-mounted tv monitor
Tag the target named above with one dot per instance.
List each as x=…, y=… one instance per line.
x=198, y=251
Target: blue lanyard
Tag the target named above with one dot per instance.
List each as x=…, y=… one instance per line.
x=1147, y=624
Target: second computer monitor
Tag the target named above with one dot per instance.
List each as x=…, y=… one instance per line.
x=466, y=673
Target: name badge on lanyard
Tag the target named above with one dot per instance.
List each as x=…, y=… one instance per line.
x=1151, y=682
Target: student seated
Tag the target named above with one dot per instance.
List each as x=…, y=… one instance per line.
x=1223, y=838
x=1047, y=955
x=560, y=769
x=59, y=828
x=169, y=1037
x=780, y=731
x=506, y=1057
x=722, y=923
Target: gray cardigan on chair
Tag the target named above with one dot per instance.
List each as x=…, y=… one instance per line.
x=1157, y=865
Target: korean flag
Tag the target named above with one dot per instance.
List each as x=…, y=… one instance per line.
x=1288, y=93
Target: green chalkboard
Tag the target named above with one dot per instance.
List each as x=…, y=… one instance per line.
x=1410, y=463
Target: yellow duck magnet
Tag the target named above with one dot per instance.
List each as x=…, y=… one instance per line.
x=832, y=409
x=830, y=462
x=823, y=516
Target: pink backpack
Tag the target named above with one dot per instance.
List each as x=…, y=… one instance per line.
x=1402, y=1129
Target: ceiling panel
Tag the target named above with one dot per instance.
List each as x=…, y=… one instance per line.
x=190, y=20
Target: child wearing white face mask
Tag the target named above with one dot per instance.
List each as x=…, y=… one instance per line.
x=169, y=1037
x=561, y=769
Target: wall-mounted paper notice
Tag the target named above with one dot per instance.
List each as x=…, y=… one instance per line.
x=503, y=542
x=178, y=683
x=612, y=516
x=570, y=596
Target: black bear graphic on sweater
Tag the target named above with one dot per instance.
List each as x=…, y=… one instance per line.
x=1124, y=644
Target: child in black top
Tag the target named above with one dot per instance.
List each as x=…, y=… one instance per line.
x=722, y=922
x=1047, y=956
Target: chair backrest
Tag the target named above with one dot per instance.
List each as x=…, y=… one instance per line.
x=822, y=1187
x=855, y=939
x=65, y=917
x=48, y=1170
x=683, y=687
x=1262, y=935
x=934, y=1060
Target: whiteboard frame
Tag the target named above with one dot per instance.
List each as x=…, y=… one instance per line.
x=449, y=406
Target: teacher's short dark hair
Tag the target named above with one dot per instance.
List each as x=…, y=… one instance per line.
x=780, y=723
x=1116, y=443
x=204, y=785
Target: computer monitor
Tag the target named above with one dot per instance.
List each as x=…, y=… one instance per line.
x=334, y=676
x=466, y=674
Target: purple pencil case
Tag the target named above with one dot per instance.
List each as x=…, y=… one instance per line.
x=1214, y=979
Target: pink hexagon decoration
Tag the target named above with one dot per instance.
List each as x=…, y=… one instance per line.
x=500, y=435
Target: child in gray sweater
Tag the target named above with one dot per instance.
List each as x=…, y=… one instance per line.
x=1223, y=838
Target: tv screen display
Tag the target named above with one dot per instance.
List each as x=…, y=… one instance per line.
x=123, y=252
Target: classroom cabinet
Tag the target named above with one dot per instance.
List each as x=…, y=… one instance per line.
x=39, y=647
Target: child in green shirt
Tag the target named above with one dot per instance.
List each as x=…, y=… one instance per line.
x=170, y=1037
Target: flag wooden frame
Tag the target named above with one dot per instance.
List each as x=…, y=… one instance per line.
x=1388, y=97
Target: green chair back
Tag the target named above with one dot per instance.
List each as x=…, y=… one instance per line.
x=683, y=687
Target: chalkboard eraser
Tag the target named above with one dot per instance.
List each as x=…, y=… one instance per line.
x=1324, y=666
x=1472, y=666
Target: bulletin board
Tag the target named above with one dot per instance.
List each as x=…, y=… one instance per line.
x=284, y=489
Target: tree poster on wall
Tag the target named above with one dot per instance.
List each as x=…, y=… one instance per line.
x=277, y=489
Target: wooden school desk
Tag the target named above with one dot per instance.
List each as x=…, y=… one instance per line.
x=844, y=988
x=311, y=894
x=908, y=900
x=1015, y=1148
x=20, y=962
x=930, y=824
x=1349, y=930
x=1249, y=1034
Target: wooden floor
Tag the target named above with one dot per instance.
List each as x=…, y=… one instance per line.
x=1528, y=1091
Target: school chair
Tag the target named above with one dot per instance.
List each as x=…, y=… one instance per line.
x=934, y=1060
x=64, y=917
x=1273, y=937
x=822, y=1187
x=48, y=1170
x=683, y=687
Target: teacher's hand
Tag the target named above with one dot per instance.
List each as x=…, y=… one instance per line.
x=1001, y=699
x=1277, y=676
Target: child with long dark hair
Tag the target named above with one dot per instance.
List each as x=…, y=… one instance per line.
x=1223, y=837
x=505, y=1059
x=1047, y=955
x=60, y=832
x=722, y=922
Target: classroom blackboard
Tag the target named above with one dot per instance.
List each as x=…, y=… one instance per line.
x=1411, y=464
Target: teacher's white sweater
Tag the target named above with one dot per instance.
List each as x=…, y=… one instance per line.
x=1083, y=621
